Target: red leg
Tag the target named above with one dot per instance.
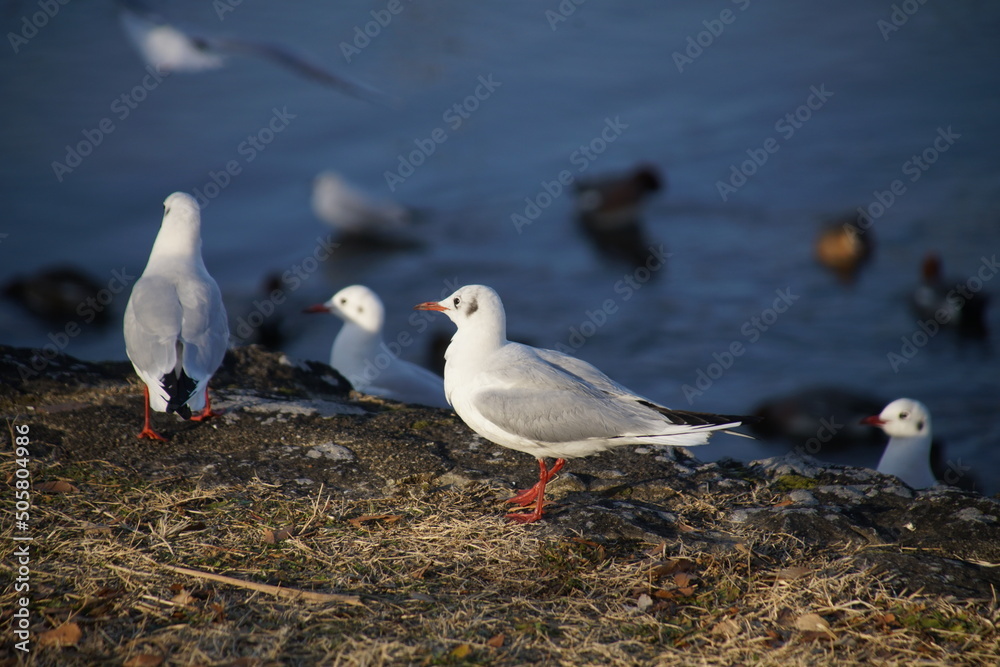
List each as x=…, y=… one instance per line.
x=147, y=431
x=537, y=492
x=526, y=496
x=207, y=412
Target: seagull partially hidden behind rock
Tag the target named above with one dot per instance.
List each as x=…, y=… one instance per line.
x=361, y=355
x=908, y=454
x=176, y=333
x=546, y=403
x=169, y=49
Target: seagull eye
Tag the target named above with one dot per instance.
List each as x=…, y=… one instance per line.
x=343, y=301
x=904, y=414
x=920, y=425
x=456, y=301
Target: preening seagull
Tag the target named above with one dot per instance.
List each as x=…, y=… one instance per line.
x=546, y=403
x=361, y=355
x=175, y=324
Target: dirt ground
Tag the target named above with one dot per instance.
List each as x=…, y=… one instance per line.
x=346, y=530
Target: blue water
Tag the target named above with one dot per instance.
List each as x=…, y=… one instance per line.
x=878, y=98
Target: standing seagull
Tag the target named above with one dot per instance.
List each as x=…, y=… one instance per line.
x=175, y=324
x=907, y=456
x=360, y=354
x=546, y=403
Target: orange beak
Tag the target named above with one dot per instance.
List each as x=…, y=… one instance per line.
x=318, y=308
x=874, y=420
x=430, y=305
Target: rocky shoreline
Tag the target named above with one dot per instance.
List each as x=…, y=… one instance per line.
x=297, y=425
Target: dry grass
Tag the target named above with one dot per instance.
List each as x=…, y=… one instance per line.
x=443, y=580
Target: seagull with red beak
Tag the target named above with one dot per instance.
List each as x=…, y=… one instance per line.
x=546, y=403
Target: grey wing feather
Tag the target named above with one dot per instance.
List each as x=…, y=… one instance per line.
x=204, y=328
x=540, y=401
x=152, y=326
x=292, y=61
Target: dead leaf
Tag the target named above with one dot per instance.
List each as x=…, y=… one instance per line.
x=658, y=551
x=67, y=634
x=58, y=486
x=790, y=573
x=727, y=627
x=357, y=522
x=144, y=660
x=685, y=528
x=682, y=579
x=672, y=566
x=420, y=571
x=461, y=651
x=275, y=536
x=784, y=503
x=496, y=641
x=686, y=591
x=886, y=619
x=220, y=612
x=183, y=598
x=95, y=528
x=812, y=623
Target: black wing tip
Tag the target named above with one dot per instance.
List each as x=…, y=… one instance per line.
x=691, y=418
x=179, y=392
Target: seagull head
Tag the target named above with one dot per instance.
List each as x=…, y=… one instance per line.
x=903, y=418
x=180, y=231
x=356, y=304
x=473, y=307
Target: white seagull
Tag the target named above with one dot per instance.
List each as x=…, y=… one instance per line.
x=169, y=49
x=361, y=355
x=352, y=212
x=907, y=456
x=546, y=403
x=175, y=324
